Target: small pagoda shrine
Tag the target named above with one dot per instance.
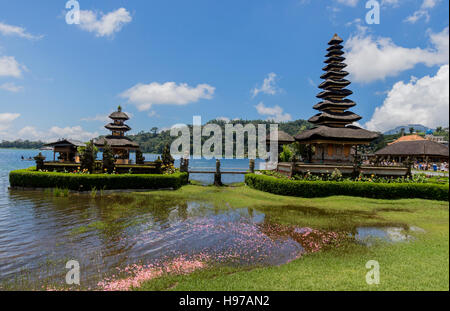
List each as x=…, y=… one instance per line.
x=334, y=138
x=120, y=144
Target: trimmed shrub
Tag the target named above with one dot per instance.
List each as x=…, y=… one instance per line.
x=88, y=155
x=108, y=158
x=30, y=178
x=139, y=157
x=167, y=158
x=310, y=189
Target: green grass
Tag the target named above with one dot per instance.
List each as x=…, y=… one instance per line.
x=420, y=264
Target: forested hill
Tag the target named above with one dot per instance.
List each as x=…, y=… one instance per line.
x=154, y=142
x=21, y=144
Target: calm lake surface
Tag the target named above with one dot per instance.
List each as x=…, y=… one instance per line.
x=40, y=232
x=116, y=235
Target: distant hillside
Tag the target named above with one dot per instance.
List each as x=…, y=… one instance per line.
x=417, y=128
x=21, y=144
x=153, y=142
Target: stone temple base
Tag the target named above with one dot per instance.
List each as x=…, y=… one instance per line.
x=290, y=169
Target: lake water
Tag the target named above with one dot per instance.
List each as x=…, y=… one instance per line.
x=40, y=232
x=121, y=236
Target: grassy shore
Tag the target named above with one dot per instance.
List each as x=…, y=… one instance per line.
x=419, y=264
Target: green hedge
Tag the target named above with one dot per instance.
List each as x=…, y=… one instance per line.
x=310, y=189
x=29, y=178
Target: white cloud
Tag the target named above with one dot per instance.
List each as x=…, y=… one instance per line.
x=393, y=3
x=268, y=86
x=9, y=67
x=55, y=133
x=107, y=24
x=224, y=119
x=6, y=118
x=169, y=93
x=99, y=117
x=152, y=114
x=351, y=3
x=422, y=101
x=10, y=30
x=273, y=113
x=11, y=87
x=422, y=12
x=370, y=59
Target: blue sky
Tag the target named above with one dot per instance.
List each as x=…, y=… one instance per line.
x=165, y=61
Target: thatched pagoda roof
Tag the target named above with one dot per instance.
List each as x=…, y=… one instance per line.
x=65, y=142
x=119, y=115
x=335, y=40
x=116, y=141
x=330, y=94
x=421, y=148
x=346, y=116
x=333, y=83
x=117, y=127
x=334, y=74
x=329, y=104
x=283, y=138
x=349, y=134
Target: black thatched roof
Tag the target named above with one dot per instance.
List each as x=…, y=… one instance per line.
x=334, y=74
x=283, y=138
x=414, y=148
x=115, y=141
x=346, y=116
x=65, y=142
x=329, y=104
x=331, y=83
x=349, y=133
x=119, y=115
x=334, y=93
x=334, y=58
x=335, y=40
x=334, y=53
x=334, y=66
x=116, y=127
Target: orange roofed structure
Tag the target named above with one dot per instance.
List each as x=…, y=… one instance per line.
x=412, y=137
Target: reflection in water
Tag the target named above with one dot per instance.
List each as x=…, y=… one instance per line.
x=142, y=235
x=40, y=233
x=371, y=235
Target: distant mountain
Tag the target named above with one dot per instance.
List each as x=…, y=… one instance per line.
x=417, y=128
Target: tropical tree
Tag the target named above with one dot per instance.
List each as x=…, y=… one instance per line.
x=139, y=157
x=88, y=155
x=108, y=158
x=154, y=130
x=411, y=130
x=286, y=155
x=166, y=156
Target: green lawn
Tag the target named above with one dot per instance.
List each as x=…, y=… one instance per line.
x=420, y=264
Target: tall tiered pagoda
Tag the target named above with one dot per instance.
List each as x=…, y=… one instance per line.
x=120, y=144
x=334, y=136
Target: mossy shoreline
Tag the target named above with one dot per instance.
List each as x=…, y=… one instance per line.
x=419, y=264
